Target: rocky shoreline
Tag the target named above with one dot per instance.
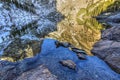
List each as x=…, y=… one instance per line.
x=108, y=47
x=57, y=64
x=27, y=56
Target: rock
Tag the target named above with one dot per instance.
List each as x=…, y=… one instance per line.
x=110, y=18
x=81, y=56
x=39, y=73
x=76, y=50
x=68, y=63
x=112, y=34
x=108, y=48
x=19, y=49
x=8, y=70
x=109, y=51
x=92, y=68
x=63, y=44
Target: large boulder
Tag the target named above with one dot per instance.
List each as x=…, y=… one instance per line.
x=108, y=48
x=92, y=68
x=9, y=71
x=39, y=73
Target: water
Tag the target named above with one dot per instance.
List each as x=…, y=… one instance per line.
x=64, y=20
x=79, y=27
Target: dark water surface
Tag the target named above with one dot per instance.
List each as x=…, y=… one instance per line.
x=64, y=20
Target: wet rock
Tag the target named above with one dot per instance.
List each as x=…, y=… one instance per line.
x=109, y=51
x=63, y=44
x=92, y=68
x=12, y=71
x=108, y=48
x=68, y=63
x=80, y=53
x=19, y=49
x=81, y=56
x=76, y=50
x=39, y=73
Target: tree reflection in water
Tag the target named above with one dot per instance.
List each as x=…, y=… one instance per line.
x=41, y=17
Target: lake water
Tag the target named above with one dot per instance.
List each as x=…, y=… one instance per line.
x=65, y=20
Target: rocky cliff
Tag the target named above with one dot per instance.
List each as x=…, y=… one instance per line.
x=108, y=47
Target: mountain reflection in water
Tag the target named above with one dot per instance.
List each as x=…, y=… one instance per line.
x=79, y=27
x=64, y=20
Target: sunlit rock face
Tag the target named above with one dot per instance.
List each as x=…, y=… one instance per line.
x=108, y=48
x=79, y=27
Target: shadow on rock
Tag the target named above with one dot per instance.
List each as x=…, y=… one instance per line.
x=108, y=48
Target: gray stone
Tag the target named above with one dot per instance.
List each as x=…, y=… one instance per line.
x=63, y=44
x=39, y=73
x=112, y=34
x=68, y=63
x=81, y=56
x=76, y=50
x=108, y=48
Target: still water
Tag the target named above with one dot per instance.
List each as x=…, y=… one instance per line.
x=79, y=27
x=65, y=20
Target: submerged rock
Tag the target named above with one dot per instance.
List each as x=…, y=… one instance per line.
x=81, y=56
x=92, y=68
x=80, y=52
x=76, y=50
x=63, y=44
x=108, y=48
x=68, y=63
